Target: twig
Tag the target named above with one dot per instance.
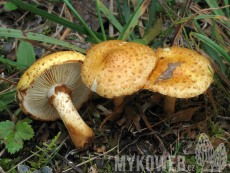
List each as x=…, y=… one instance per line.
x=164, y=123
x=181, y=15
x=14, y=75
x=25, y=160
x=50, y=161
x=224, y=118
x=21, y=18
x=155, y=124
x=1, y=170
x=165, y=5
x=92, y=158
x=11, y=87
x=67, y=161
x=38, y=44
x=36, y=28
x=194, y=16
x=151, y=133
x=67, y=30
x=6, y=80
x=2, y=152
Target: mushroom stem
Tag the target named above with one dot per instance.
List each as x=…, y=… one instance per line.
x=117, y=102
x=80, y=133
x=169, y=104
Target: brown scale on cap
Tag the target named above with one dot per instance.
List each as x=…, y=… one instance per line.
x=118, y=68
x=191, y=78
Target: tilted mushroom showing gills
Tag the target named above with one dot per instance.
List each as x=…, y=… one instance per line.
x=52, y=89
x=179, y=73
x=116, y=68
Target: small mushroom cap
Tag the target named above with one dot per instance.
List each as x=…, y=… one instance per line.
x=116, y=68
x=50, y=71
x=190, y=77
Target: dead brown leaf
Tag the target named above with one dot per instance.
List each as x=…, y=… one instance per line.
x=184, y=115
x=12, y=55
x=203, y=126
x=217, y=141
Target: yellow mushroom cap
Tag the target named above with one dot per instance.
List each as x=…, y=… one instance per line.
x=117, y=68
x=55, y=69
x=191, y=76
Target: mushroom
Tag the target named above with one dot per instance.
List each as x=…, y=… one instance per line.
x=52, y=89
x=114, y=69
x=179, y=73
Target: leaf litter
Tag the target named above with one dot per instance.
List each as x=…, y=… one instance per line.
x=144, y=113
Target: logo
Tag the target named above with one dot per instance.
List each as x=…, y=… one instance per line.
x=204, y=154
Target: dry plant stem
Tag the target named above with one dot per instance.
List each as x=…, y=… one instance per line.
x=169, y=104
x=178, y=33
x=8, y=89
x=66, y=32
x=80, y=133
x=111, y=31
x=13, y=75
x=91, y=159
x=1, y=170
x=34, y=154
x=181, y=15
x=2, y=152
x=38, y=44
x=6, y=80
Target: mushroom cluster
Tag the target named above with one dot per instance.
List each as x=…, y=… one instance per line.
x=56, y=86
x=114, y=69
x=52, y=89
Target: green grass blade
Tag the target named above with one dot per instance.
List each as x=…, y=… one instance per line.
x=212, y=44
x=56, y=19
x=16, y=64
x=152, y=14
x=226, y=2
x=213, y=30
x=196, y=18
x=219, y=83
x=82, y=21
x=127, y=17
x=9, y=92
x=213, y=4
x=211, y=52
x=216, y=57
x=187, y=39
x=100, y=20
x=120, y=12
x=133, y=20
x=110, y=16
x=38, y=37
